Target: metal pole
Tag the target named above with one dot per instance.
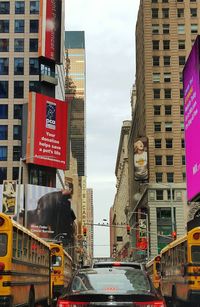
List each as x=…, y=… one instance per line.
x=172, y=208
x=19, y=188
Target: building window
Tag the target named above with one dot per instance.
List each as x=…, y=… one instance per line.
x=165, y=1
x=3, y=153
x=18, y=89
x=3, y=111
x=168, y=126
x=34, y=26
x=181, y=60
x=34, y=7
x=167, y=93
x=154, y=1
x=167, y=77
x=4, y=66
x=156, y=60
x=166, y=45
x=184, y=176
x=180, y=12
x=181, y=110
x=156, y=93
x=157, y=127
x=181, y=77
x=193, y=12
x=5, y=7
x=19, y=45
x=155, y=29
x=33, y=66
x=15, y=173
x=154, y=13
x=33, y=45
x=17, y=132
x=181, y=44
x=158, y=160
x=18, y=111
x=156, y=77
x=194, y=28
x=159, y=177
x=166, y=60
x=19, y=66
x=3, y=174
x=4, y=45
x=19, y=26
x=3, y=132
x=181, y=29
x=158, y=143
x=19, y=7
x=182, y=143
x=34, y=86
x=170, y=177
x=165, y=13
x=169, y=160
x=165, y=28
x=3, y=89
x=183, y=160
x=157, y=110
x=155, y=45
x=181, y=93
x=159, y=195
x=4, y=26
x=168, y=110
x=169, y=194
x=16, y=153
x=182, y=126
x=169, y=143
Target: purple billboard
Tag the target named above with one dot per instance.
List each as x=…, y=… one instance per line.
x=191, y=86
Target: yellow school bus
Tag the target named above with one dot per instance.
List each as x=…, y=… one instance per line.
x=24, y=265
x=153, y=269
x=61, y=269
x=180, y=269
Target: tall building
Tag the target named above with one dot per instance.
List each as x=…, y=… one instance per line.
x=29, y=62
x=90, y=217
x=75, y=87
x=165, y=32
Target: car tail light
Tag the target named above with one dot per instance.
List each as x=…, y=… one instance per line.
x=116, y=263
x=63, y=303
x=150, y=304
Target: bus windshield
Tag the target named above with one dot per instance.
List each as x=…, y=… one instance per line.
x=56, y=261
x=3, y=244
x=195, y=251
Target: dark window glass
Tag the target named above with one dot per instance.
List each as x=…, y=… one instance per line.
x=34, y=7
x=19, y=26
x=34, y=86
x=3, y=132
x=155, y=44
x=170, y=177
x=195, y=251
x=183, y=160
x=3, y=89
x=156, y=60
x=181, y=110
x=159, y=194
x=154, y=12
x=169, y=143
x=166, y=60
x=19, y=45
x=158, y=143
x=33, y=66
x=3, y=153
x=181, y=44
x=167, y=93
x=4, y=7
x=180, y=12
x=18, y=89
x=33, y=45
x=157, y=127
x=15, y=173
x=3, y=244
x=157, y=110
x=181, y=93
x=169, y=160
x=182, y=60
x=3, y=172
x=193, y=12
x=16, y=153
x=156, y=93
x=182, y=143
x=18, y=111
x=168, y=126
x=165, y=13
x=165, y=28
x=4, y=66
x=4, y=26
x=158, y=160
x=34, y=26
x=17, y=132
x=168, y=110
x=155, y=29
x=4, y=45
x=166, y=44
x=169, y=194
x=18, y=66
x=159, y=177
x=154, y=1
x=167, y=77
x=19, y=7
x=3, y=111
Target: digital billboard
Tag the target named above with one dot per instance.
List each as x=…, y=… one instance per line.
x=191, y=87
x=50, y=29
x=47, y=131
x=141, y=159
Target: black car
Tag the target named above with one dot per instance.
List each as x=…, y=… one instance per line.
x=113, y=286
x=108, y=264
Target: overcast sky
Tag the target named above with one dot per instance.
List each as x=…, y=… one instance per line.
x=109, y=27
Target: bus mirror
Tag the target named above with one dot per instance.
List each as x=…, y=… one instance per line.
x=53, y=259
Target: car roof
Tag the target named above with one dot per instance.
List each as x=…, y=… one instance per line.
x=107, y=264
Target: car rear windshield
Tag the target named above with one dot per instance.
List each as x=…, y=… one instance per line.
x=3, y=244
x=114, y=264
x=114, y=280
x=195, y=249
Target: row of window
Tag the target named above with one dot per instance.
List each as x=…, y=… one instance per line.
x=169, y=160
x=156, y=44
x=166, y=77
x=167, y=126
x=165, y=13
x=18, y=45
x=168, y=176
x=166, y=1
x=4, y=153
x=19, y=26
x=156, y=28
x=167, y=93
x=17, y=132
x=168, y=143
x=3, y=173
x=167, y=110
x=17, y=111
x=19, y=66
x=20, y=7
x=167, y=60
x=18, y=88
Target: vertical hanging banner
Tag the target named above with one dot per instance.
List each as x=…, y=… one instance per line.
x=9, y=196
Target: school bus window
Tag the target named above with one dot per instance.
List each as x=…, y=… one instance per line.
x=15, y=243
x=3, y=244
x=195, y=251
x=25, y=249
x=19, y=245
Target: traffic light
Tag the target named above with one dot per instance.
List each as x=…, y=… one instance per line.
x=84, y=231
x=174, y=235
x=128, y=229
